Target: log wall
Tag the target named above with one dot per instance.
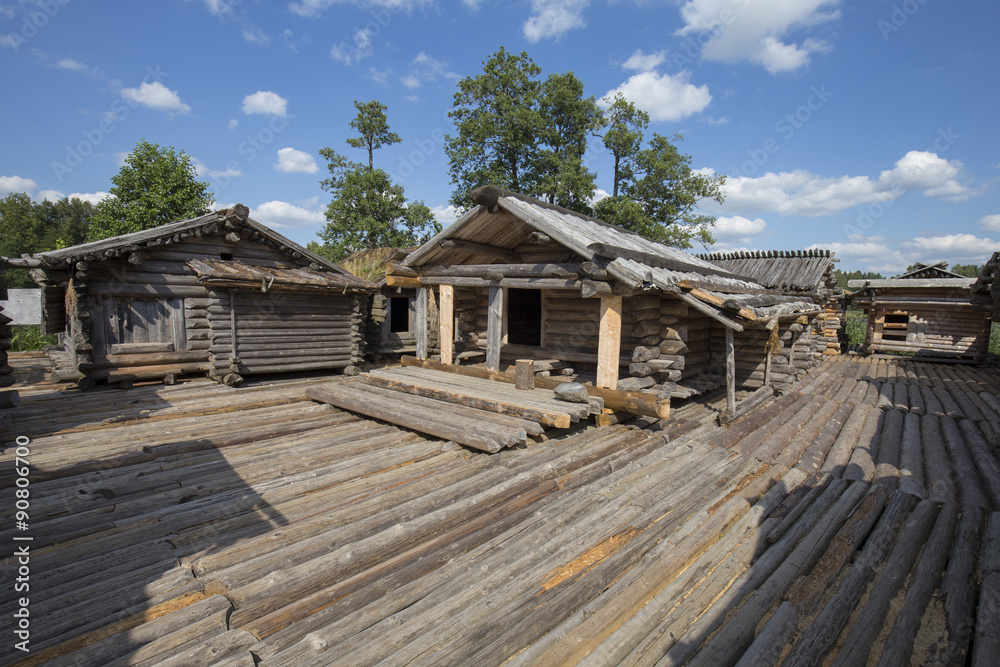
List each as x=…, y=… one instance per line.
x=934, y=321
x=382, y=345
x=184, y=324
x=794, y=353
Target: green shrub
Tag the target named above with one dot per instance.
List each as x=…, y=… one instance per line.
x=29, y=339
x=855, y=326
x=995, y=339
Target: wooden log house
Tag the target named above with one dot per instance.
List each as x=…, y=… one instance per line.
x=927, y=311
x=986, y=289
x=390, y=322
x=220, y=294
x=519, y=278
x=804, y=273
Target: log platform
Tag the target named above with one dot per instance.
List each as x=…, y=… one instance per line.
x=199, y=524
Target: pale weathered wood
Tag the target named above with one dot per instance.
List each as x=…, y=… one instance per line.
x=421, y=317
x=524, y=374
x=609, y=342
x=446, y=336
x=494, y=330
x=730, y=372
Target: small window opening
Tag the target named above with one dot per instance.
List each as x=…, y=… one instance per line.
x=399, y=314
x=895, y=326
x=227, y=256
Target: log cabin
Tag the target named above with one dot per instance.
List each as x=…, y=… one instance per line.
x=520, y=278
x=928, y=311
x=390, y=322
x=220, y=294
x=800, y=273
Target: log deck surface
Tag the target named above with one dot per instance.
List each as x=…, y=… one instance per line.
x=198, y=524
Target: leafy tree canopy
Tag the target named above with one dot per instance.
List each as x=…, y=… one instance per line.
x=967, y=270
x=373, y=126
x=520, y=133
x=30, y=227
x=368, y=210
x=843, y=276
x=659, y=196
x=156, y=185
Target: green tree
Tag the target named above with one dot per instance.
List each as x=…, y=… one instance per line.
x=623, y=138
x=368, y=210
x=497, y=119
x=31, y=227
x=373, y=125
x=659, y=194
x=967, y=270
x=155, y=186
x=568, y=120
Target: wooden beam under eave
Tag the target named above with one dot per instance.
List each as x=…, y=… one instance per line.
x=446, y=334
x=421, y=316
x=609, y=343
x=403, y=281
x=494, y=329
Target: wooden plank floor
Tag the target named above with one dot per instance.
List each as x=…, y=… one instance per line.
x=853, y=518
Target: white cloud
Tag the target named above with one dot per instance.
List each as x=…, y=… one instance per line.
x=951, y=247
x=445, y=215
x=754, y=31
x=219, y=7
x=54, y=196
x=76, y=66
x=644, y=62
x=662, y=96
x=737, y=230
x=282, y=214
x=266, y=103
x=202, y=170
x=803, y=193
x=291, y=161
x=233, y=124
x=425, y=69
x=11, y=184
x=256, y=36
x=990, y=222
x=553, y=18
x=155, y=96
x=379, y=76
x=872, y=253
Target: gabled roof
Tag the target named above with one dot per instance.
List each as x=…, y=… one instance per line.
x=223, y=274
x=236, y=219
x=502, y=221
x=785, y=270
x=929, y=271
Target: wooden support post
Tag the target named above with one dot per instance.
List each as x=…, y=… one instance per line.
x=609, y=343
x=494, y=329
x=421, y=324
x=524, y=374
x=446, y=333
x=234, y=353
x=730, y=372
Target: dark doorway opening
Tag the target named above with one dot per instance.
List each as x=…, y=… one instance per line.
x=524, y=317
x=399, y=314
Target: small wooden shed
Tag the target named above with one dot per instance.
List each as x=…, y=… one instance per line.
x=927, y=311
x=519, y=278
x=220, y=294
x=809, y=273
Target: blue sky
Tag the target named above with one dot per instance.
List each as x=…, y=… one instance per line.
x=867, y=126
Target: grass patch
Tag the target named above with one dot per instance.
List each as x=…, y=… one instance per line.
x=995, y=338
x=30, y=339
